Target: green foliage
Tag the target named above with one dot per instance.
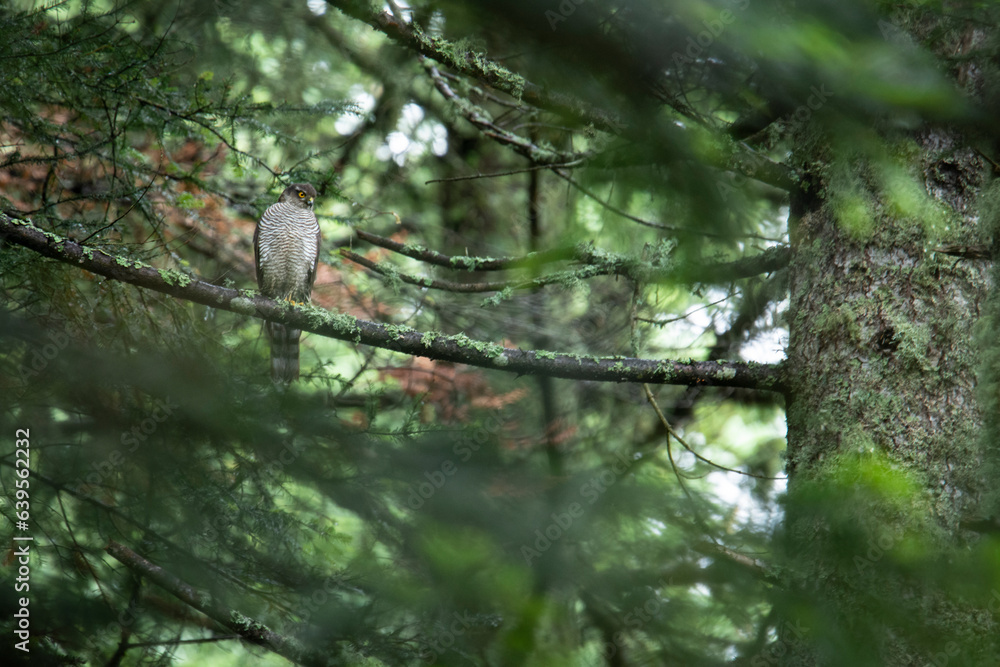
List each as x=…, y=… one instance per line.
x=611, y=163
x=872, y=534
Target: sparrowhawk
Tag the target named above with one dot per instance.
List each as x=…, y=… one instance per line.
x=286, y=249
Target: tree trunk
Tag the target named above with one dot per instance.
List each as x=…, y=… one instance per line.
x=884, y=453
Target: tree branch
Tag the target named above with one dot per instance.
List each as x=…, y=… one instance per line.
x=392, y=273
x=458, y=348
x=768, y=261
x=482, y=69
x=460, y=262
x=248, y=629
x=741, y=158
x=480, y=119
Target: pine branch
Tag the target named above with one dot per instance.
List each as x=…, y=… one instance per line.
x=458, y=348
x=768, y=261
x=474, y=65
x=741, y=158
x=250, y=630
x=464, y=262
x=562, y=277
x=481, y=120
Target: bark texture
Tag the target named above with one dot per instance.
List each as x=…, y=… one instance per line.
x=883, y=423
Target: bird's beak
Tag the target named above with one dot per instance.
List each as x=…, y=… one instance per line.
x=311, y=201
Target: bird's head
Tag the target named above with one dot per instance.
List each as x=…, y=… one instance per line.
x=300, y=194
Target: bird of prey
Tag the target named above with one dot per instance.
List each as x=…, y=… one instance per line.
x=286, y=250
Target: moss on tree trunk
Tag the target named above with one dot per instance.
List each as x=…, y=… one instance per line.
x=883, y=425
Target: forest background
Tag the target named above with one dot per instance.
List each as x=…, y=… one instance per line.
x=644, y=332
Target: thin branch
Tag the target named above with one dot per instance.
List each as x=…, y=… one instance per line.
x=464, y=261
x=430, y=283
x=480, y=119
x=483, y=69
x=628, y=216
x=679, y=318
x=457, y=348
x=392, y=273
x=741, y=159
x=672, y=432
x=193, y=117
x=497, y=174
x=250, y=630
x=555, y=160
x=177, y=642
x=757, y=566
x=768, y=261
x=647, y=223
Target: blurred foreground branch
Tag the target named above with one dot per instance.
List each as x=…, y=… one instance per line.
x=737, y=157
x=250, y=630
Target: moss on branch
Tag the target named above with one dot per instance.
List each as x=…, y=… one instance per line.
x=458, y=348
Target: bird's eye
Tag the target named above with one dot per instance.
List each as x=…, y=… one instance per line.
x=302, y=195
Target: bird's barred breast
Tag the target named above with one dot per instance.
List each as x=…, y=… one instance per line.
x=288, y=249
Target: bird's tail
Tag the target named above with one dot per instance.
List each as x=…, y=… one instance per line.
x=284, y=352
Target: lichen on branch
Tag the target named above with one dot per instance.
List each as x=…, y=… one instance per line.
x=457, y=348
